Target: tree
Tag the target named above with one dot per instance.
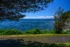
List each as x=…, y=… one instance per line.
x=11, y=9
x=58, y=20
x=61, y=18
x=65, y=18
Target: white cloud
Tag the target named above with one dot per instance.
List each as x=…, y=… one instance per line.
x=38, y=17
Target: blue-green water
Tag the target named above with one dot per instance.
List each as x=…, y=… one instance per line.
x=28, y=24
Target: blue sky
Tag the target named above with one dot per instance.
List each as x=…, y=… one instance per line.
x=50, y=10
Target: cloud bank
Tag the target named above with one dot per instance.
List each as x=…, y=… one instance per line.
x=39, y=17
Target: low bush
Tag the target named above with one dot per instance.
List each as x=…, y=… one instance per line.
x=9, y=31
x=34, y=31
x=38, y=31
x=66, y=32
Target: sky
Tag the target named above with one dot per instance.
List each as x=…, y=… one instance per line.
x=50, y=10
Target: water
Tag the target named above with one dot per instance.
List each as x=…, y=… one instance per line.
x=28, y=24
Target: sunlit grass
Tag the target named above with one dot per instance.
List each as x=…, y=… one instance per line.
x=66, y=43
x=35, y=35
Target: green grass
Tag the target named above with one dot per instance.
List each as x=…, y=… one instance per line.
x=67, y=44
x=38, y=31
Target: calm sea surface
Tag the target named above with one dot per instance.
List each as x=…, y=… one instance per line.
x=28, y=24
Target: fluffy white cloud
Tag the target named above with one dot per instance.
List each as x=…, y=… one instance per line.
x=39, y=17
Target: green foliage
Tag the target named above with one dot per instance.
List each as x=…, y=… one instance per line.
x=58, y=22
x=34, y=31
x=60, y=19
x=52, y=32
x=48, y=31
x=9, y=32
x=65, y=16
x=38, y=31
x=68, y=20
x=66, y=32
